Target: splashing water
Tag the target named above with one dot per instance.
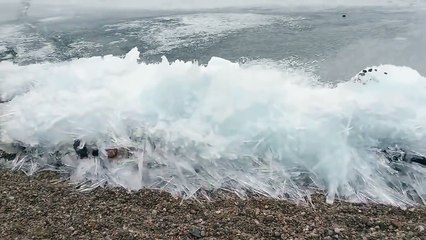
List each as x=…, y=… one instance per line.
x=25, y=6
x=188, y=127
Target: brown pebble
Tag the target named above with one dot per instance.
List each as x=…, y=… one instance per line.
x=396, y=223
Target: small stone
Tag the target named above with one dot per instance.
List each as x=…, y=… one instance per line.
x=396, y=223
x=338, y=230
x=257, y=211
x=327, y=238
x=154, y=212
x=195, y=232
x=420, y=228
x=277, y=234
x=193, y=211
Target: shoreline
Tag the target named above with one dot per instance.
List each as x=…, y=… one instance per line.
x=42, y=207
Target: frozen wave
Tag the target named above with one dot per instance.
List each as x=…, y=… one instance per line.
x=190, y=127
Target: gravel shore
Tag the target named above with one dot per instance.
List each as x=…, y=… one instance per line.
x=41, y=207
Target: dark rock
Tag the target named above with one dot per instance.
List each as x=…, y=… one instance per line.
x=95, y=152
x=195, y=232
x=7, y=156
x=82, y=152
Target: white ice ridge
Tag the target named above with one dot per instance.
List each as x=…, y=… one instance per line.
x=223, y=125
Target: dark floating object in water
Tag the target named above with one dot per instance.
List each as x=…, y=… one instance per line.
x=364, y=71
x=343, y=15
x=386, y=73
x=375, y=70
x=370, y=70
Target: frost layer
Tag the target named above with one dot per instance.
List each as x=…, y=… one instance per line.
x=191, y=127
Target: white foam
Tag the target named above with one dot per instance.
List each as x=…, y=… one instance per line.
x=188, y=30
x=28, y=44
x=53, y=19
x=261, y=127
